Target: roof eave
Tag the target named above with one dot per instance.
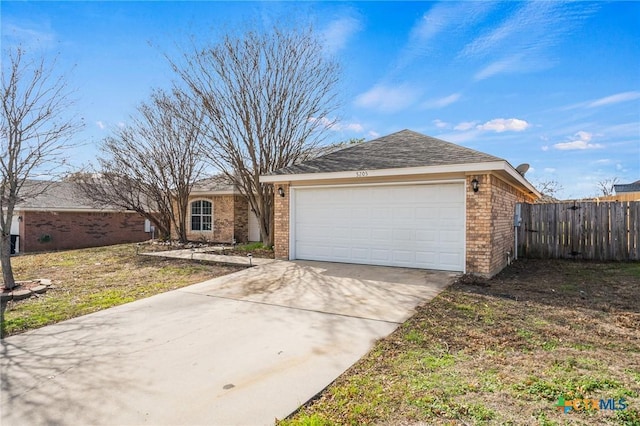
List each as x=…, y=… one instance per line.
x=466, y=168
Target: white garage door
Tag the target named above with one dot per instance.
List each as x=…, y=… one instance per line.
x=418, y=226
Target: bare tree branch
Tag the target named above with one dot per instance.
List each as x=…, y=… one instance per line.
x=549, y=187
x=34, y=135
x=606, y=186
x=150, y=165
x=266, y=97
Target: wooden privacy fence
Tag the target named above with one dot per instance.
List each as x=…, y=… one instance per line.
x=580, y=230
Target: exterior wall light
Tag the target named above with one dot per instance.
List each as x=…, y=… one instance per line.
x=475, y=185
x=281, y=191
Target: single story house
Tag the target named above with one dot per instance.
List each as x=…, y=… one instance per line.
x=59, y=217
x=218, y=213
x=405, y=200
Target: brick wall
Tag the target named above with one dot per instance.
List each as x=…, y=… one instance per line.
x=503, y=201
x=71, y=230
x=230, y=219
x=490, y=232
x=241, y=219
x=478, y=226
x=281, y=222
x=223, y=220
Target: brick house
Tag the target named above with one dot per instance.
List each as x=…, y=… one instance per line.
x=406, y=200
x=217, y=212
x=61, y=217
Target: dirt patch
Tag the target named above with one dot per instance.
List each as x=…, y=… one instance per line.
x=241, y=250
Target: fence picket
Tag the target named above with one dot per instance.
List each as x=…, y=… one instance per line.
x=599, y=231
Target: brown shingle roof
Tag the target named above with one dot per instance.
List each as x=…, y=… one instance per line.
x=397, y=150
x=54, y=195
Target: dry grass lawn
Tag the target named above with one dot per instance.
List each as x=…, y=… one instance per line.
x=89, y=280
x=501, y=352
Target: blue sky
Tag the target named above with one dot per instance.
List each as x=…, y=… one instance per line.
x=552, y=84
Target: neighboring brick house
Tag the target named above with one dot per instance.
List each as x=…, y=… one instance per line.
x=218, y=213
x=405, y=199
x=59, y=216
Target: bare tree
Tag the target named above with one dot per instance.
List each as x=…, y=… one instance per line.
x=150, y=165
x=549, y=187
x=266, y=97
x=606, y=186
x=35, y=132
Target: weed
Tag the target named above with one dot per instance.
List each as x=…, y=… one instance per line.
x=252, y=247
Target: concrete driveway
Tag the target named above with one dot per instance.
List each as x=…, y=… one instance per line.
x=246, y=348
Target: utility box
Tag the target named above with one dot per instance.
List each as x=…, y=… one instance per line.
x=517, y=217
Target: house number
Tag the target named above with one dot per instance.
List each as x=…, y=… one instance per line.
x=362, y=173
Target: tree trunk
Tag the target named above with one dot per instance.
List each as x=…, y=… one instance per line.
x=5, y=260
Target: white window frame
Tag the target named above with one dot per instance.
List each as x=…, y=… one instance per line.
x=201, y=215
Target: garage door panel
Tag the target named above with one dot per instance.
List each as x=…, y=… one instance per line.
x=360, y=254
x=423, y=236
x=361, y=234
x=450, y=237
x=403, y=236
x=397, y=225
x=380, y=213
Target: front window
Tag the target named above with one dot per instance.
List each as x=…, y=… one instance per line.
x=201, y=215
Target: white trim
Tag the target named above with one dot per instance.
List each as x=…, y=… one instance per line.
x=201, y=231
x=401, y=183
x=292, y=221
x=464, y=231
x=213, y=193
x=404, y=171
x=467, y=168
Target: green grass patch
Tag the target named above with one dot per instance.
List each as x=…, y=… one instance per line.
x=89, y=280
x=502, y=354
x=252, y=247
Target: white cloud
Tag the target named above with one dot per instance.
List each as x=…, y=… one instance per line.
x=460, y=137
x=500, y=125
x=36, y=37
x=442, y=102
x=545, y=147
x=465, y=125
x=581, y=140
x=549, y=170
x=337, y=126
x=374, y=134
x=510, y=64
x=614, y=99
x=521, y=41
x=388, y=98
x=441, y=20
x=338, y=32
x=100, y=125
x=440, y=124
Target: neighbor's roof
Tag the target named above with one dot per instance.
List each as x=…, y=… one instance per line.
x=397, y=150
x=627, y=187
x=217, y=183
x=56, y=195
